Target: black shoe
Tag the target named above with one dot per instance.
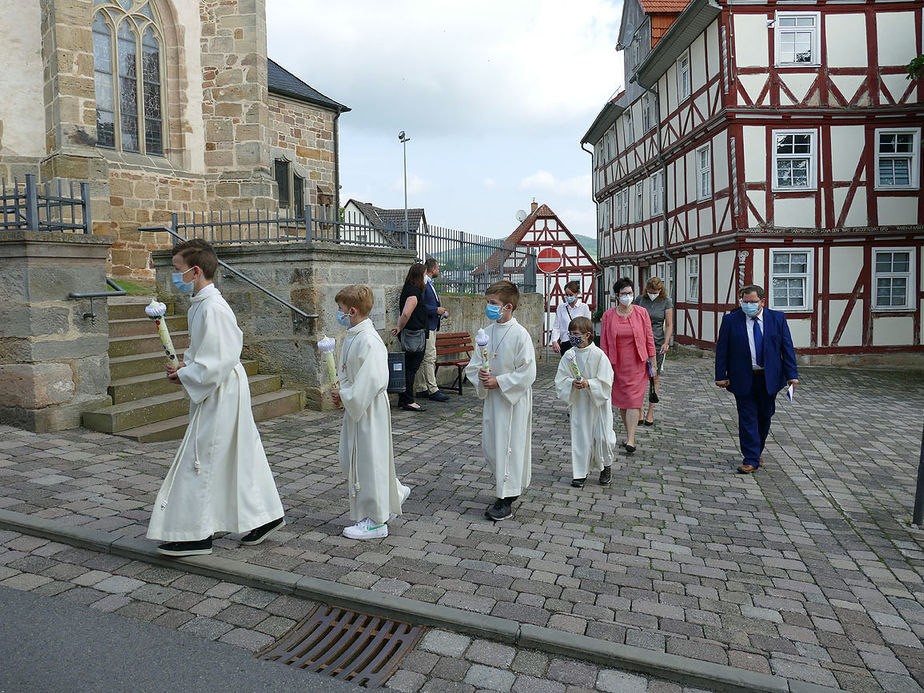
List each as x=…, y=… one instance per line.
x=606, y=476
x=255, y=536
x=648, y=423
x=501, y=510
x=629, y=448
x=439, y=396
x=178, y=549
x=578, y=483
x=412, y=407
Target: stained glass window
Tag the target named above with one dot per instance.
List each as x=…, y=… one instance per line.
x=150, y=61
x=102, y=73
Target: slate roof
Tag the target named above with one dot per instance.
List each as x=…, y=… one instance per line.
x=283, y=82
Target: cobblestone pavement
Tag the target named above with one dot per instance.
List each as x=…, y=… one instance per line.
x=251, y=618
x=806, y=570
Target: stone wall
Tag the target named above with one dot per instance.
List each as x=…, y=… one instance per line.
x=305, y=136
x=54, y=364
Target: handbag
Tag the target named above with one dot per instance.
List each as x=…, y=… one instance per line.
x=413, y=341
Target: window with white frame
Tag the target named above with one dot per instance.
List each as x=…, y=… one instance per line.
x=794, y=159
x=693, y=278
x=683, y=76
x=627, y=126
x=657, y=192
x=648, y=112
x=797, y=38
x=893, y=275
x=898, y=152
x=791, y=279
x=704, y=173
x=622, y=207
x=639, y=201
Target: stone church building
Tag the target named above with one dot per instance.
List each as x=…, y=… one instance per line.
x=164, y=106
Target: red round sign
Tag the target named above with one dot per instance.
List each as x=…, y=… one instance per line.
x=548, y=260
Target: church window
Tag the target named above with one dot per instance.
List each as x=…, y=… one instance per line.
x=128, y=77
x=282, y=181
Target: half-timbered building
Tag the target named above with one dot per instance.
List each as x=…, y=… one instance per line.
x=776, y=144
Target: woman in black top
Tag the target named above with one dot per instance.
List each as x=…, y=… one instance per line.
x=413, y=318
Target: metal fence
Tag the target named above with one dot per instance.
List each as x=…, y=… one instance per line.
x=468, y=263
x=48, y=206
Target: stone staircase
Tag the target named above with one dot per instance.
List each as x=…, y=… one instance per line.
x=146, y=406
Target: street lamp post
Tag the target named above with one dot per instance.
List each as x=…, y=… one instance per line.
x=404, y=139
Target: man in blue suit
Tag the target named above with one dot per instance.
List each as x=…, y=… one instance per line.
x=754, y=359
x=425, y=382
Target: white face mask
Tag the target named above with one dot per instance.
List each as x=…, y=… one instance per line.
x=654, y=297
x=626, y=299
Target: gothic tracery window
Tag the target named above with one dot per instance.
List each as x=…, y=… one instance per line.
x=128, y=74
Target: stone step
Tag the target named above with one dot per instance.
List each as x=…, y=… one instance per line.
x=266, y=406
x=152, y=384
x=128, y=346
x=119, y=417
x=128, y=307
x=137, y=364
x=142, y=327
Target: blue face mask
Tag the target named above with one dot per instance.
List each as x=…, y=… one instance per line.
x=571, y=299
x=493, y=312
x=344, y=318
x=577, y=340
x=750, y=309
x=185, y=287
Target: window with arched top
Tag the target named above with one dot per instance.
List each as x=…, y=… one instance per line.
x=128, y=73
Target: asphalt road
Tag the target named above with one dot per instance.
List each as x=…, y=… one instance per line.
x=50, y=645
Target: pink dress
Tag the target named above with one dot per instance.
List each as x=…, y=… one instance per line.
x=621, y=344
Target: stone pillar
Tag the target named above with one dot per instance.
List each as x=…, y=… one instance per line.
x=54, y=364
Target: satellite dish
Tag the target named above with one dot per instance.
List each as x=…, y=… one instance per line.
x=521, y=214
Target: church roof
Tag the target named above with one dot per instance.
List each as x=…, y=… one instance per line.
x=283, y=82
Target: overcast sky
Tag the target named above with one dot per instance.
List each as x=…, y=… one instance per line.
x=495, y=96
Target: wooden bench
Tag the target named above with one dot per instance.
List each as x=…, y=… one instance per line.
x=454, y=344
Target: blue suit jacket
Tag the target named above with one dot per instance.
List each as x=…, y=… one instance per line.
x=733, y=355
x=431, y=302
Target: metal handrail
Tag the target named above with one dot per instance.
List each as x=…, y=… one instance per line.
x=300, y=316
x=91, y=315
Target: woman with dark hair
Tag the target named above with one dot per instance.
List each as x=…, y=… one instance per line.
x=627, y=339
x=411, y=331
x=661, y=311
x=572, y=307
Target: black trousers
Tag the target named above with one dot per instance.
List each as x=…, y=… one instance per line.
x=412, y=361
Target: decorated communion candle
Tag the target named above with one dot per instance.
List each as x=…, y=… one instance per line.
x=572, y=358
x=482, y=340
x=156, y=311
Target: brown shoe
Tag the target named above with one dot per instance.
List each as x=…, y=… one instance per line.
x=747, y=469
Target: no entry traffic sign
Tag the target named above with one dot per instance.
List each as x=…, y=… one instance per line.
x=548, y=260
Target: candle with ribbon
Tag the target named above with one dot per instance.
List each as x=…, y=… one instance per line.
x=157, y=312
x=481, y=341
x=572, y=358
x=327, y=345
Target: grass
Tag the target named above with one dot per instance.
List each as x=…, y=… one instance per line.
x=133, y=289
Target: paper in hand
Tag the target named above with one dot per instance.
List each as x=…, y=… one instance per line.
x=790, y=391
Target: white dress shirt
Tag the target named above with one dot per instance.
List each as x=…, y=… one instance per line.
x=750, y=325
x=564, y=314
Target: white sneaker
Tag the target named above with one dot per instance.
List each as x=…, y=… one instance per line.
x=366, y=529
x=403, y=492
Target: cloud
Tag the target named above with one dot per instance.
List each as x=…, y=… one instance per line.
x=543, y=181
x=415, y=184
x=489, y=182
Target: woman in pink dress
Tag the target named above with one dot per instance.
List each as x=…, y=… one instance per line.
x=627, y=339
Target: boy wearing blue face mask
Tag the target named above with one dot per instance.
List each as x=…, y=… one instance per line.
x=585, y=381
x=572, y=307
x=220, y=480
x=505, y=382
x=366, y=453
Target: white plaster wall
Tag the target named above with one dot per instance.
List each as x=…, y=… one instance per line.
x=798, y=84
x=856, y=215
x=698, y=63
x=719, y=162
x=794, y=211
x=844, y=33
x=891, y=330
x=707, y=270
x=846, y=148
x=709, y=332
x=726, y=267
x=854, y=327
x=848, y=85
x=757, y=276
x=751, y=40
x=758, y=198
x=846, y=265
x=187, y=13
x=895, y=35
x=704, y=221
x=22, y=107
x=755, y=154
x=801, y=332
x=897, y=210
x=712, y=49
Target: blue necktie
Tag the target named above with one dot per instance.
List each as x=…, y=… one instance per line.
x=758, y=343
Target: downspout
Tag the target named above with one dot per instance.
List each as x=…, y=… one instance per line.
x=337, y=163
x=663, y=163
x=598, y=278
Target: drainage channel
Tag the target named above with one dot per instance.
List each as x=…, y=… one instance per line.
x=360, y=648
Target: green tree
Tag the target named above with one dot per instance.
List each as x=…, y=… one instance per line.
x=916, y=68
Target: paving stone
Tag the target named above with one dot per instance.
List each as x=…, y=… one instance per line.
x=246, y=638
x=406, y=681
x=613, y=681
x=490, y=653
x=531, y=684
x=489, y=678
x=571, y=672
x=118, y=584
x=444, y=643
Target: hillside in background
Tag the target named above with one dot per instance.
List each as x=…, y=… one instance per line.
x=590, y=244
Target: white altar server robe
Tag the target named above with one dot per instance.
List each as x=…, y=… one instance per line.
x=593, y=440
x=220, y=480
x=507, y=426
x=366, y=454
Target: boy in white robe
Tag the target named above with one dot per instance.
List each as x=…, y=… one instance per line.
x=507, y=391
x=593, y=439
x=220, y=480
x=366, y=454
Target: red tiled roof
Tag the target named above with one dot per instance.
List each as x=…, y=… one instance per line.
x=660, y=23
x=664, y=6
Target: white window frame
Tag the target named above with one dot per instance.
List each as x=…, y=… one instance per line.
x=913, y=157
x=692, y=287
x=808, y=286
x=640, y=201
x=657, y=192
x=627, y=129
x=622, y=207
x=910, y=280
x=812, y=157
x=648, y=112
x=684, y=77
x=779, y=31
x=704, y=172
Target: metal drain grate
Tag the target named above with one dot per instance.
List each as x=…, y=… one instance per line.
x=344, y=644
